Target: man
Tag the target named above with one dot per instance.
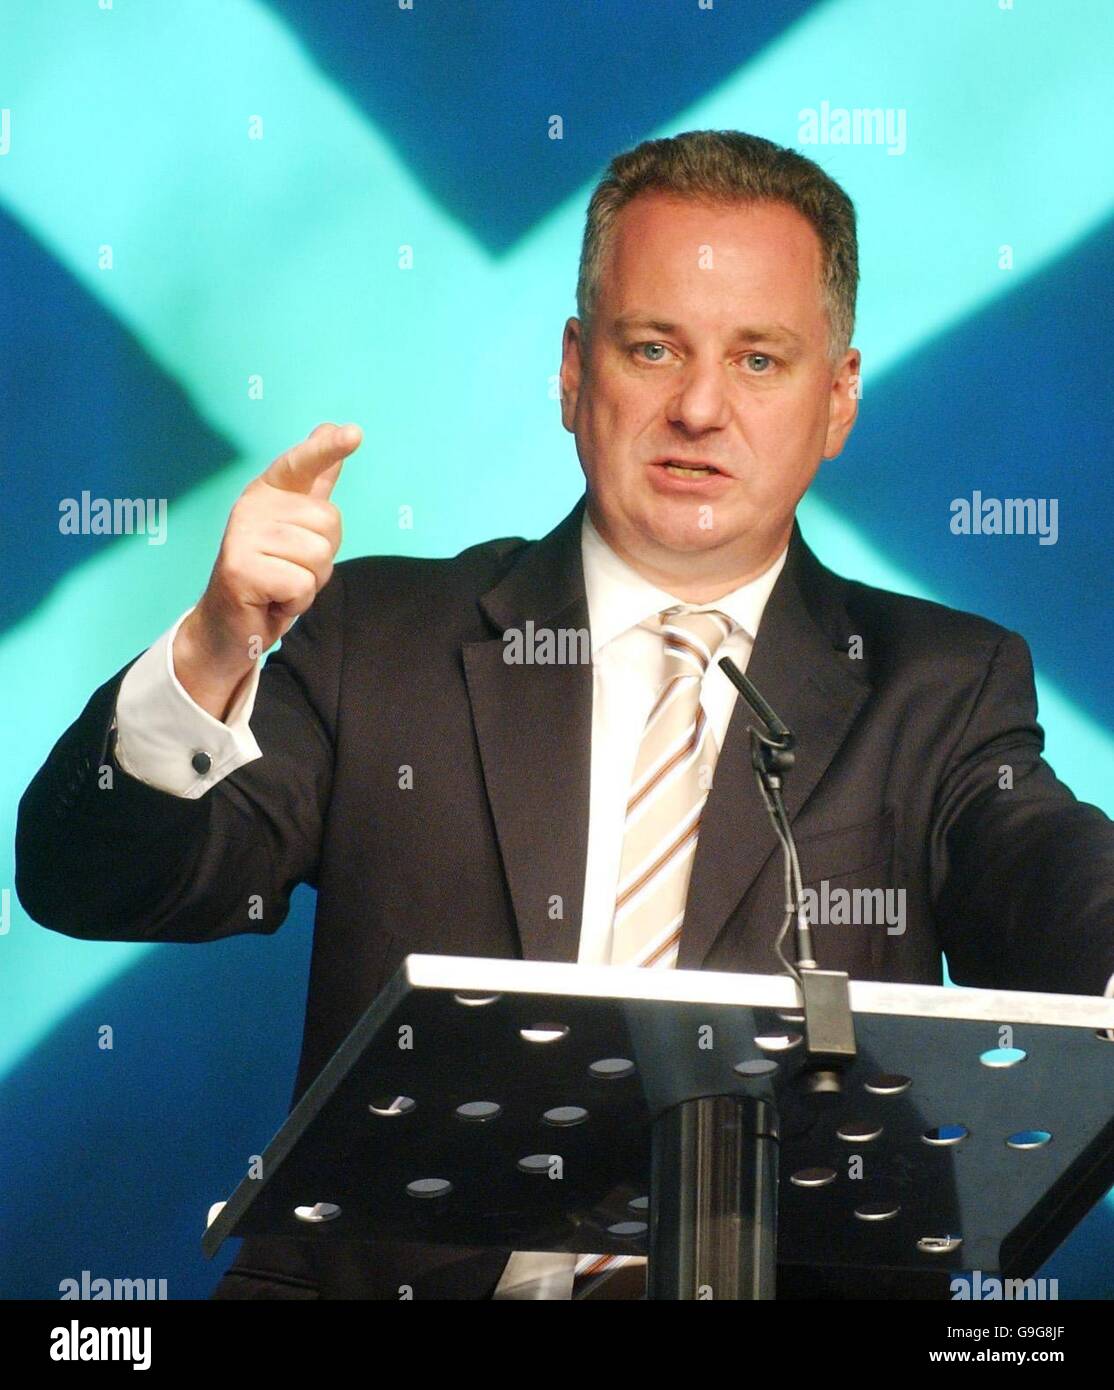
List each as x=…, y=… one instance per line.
x=444, y=798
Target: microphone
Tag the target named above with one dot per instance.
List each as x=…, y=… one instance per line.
x=829, y=1024
x=772, y=756
x=758, y=703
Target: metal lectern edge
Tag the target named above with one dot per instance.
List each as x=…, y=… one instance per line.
x=302, y=1115
x=489, y=975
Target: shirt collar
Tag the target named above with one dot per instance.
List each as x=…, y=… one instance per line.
x=619, y=598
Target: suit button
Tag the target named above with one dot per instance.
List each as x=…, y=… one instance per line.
x=201, y=762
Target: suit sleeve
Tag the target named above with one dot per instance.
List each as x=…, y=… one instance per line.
x=101, y=855
x=1022, y=871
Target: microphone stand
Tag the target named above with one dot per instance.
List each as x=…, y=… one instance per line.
x=825, y=994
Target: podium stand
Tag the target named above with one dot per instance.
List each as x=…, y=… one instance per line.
x=678, y=1115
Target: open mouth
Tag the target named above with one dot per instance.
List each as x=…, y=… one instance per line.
x=690, y=470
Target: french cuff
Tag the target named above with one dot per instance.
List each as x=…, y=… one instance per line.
x=164, y=738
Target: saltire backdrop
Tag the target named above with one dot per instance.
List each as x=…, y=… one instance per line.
x=204, y=206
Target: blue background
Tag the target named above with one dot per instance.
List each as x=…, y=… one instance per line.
x=159, y=263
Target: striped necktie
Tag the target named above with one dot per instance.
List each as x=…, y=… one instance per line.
x=672, y=778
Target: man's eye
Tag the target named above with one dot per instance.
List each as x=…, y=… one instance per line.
x=654, y=347
x=760, y=361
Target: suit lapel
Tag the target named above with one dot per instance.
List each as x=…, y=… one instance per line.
x=534, y=727
x=817, y=691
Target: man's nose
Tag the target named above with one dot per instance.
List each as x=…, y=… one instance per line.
x=701, y=402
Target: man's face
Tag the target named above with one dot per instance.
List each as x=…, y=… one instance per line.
x=708, y=346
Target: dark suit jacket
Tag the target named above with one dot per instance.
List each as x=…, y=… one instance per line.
x=902, y=739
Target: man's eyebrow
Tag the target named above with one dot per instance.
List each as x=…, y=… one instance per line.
x=747, y=333
x=625, y=321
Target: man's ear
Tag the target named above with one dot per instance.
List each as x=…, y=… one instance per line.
x=573, y=348
x=843, y=405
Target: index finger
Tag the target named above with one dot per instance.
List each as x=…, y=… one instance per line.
x=313, y=466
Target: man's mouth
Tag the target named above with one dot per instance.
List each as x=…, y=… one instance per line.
x=688, y=470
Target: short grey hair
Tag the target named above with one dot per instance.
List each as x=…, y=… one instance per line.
x=727, y=167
